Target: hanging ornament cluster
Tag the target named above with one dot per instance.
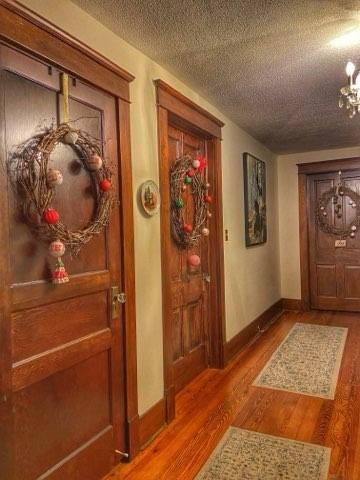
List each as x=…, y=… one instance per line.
x=188, y=173
x=337, y=196
x=37, y=185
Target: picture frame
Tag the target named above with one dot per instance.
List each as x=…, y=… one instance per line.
x=255, y=200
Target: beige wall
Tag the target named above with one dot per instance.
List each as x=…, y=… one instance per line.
x=289, y=213
x=252, y=275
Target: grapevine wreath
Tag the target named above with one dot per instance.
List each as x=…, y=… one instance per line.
x=37, y=183
x=189, y=173
x=332, y=195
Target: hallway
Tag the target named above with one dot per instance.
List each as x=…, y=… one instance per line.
x=218, y=399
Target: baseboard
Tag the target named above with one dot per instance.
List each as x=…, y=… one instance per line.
x=151, y=422
x=237, y=343
x=291, y=304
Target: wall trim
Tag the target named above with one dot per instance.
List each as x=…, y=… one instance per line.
x=291, y=304
x=151, y=423
x=233, y=346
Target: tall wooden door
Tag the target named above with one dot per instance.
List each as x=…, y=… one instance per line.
x=334, y=269
x=62, y=345
x=188, y=284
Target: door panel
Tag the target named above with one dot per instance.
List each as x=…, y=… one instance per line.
x=189, y=296
x=67, y=378
x=334, y=271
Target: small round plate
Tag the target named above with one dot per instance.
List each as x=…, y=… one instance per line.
x=150, y=197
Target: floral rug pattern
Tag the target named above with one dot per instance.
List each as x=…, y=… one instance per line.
x=245, y=455
x=307, y=361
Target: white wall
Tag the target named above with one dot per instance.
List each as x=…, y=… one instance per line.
x=289, y=213
x=252, y=275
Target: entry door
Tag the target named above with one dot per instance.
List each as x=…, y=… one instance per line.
x=334, y=270
x=188, y=284
x=65, y=405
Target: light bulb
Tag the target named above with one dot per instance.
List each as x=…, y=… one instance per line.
x=350, y=69
x=357, y=80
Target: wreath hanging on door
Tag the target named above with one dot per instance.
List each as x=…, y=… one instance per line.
x=334, y=195
x=36, y=184
x=189, y=173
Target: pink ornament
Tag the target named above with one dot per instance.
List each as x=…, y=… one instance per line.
x=94, y=162
x=205, y=231
x=194, y=260
x=190, y=173
x=54, y=177
x=56, y=249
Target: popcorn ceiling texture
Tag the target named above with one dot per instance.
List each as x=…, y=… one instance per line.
x=267, y=64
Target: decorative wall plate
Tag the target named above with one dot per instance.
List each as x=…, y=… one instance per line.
x=150, y=197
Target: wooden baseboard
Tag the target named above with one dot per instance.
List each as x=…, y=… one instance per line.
x=151, y=422
x=237, y=343
x=291, y=304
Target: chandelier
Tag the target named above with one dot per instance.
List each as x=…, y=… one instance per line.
x=350, y=95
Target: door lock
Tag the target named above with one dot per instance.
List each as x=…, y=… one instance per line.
x=117, y=297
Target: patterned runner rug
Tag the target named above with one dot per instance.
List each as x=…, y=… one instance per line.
x=307, y=361
x=244, y=455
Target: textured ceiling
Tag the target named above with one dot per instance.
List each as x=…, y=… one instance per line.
x=267, y=64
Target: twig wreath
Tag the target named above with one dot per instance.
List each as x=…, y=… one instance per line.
x=188, y=172
x=36, y=185
x=332, y=195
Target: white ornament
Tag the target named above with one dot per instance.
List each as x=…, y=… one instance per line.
x=353, y=228
x=54, y=177
x=209, y=214
x=325, y=214
x=322, y=208
x=70, y=138
x=196, y=163
x=94, y=162
x=354, y=205
x=205, y=231
x=208, y=185
x=57, y=249
x=352, y=234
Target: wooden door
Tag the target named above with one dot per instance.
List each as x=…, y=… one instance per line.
x=62, y=371
x=334, y=271
x=188, y=284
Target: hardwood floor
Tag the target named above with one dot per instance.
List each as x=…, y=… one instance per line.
x=219, y=398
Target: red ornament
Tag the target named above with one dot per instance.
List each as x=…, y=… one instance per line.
x=51, y=216
x=187, y=228
x=194, y=260
x=59, y=275
x=208, y=198
x=105, y=185
x=203, y=162
x=190, y=172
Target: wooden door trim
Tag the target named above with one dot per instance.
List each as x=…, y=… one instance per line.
x=304, y=170
x=39, y=39
x=22, y=28
x=175, y=108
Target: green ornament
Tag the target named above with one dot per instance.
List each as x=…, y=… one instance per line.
x=179, y=203
x=188, y=179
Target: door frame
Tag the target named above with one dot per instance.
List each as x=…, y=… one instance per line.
x=22, y=29
x=176, y=109
x=304, y=172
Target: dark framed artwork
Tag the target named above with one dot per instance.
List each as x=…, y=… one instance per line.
x=255, y=200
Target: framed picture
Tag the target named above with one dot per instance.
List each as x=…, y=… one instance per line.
x=255, y=200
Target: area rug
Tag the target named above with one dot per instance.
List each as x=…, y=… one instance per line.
x=244, y=455
x=307, y=361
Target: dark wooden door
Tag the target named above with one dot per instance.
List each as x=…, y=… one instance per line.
x=62, y=369
x=188, y=284
x=334, y=270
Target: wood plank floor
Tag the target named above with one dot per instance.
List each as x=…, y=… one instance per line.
x=217, y=399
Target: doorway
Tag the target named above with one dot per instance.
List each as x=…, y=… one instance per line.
x=68, y=404
x=193, y=298
x=330, y=267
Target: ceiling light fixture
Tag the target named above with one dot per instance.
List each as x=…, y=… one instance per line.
x=350, y=95
x=347, y=40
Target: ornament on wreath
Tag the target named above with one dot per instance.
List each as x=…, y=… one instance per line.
x=37, y=183
x=194, y=260
x=331, y=196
